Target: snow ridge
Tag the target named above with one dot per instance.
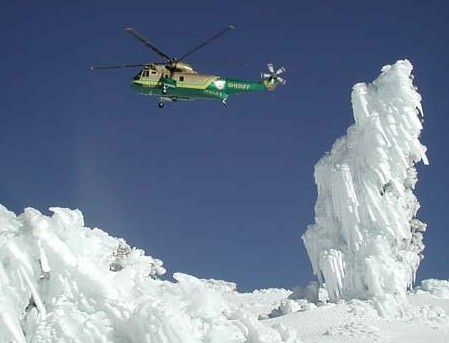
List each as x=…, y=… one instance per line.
x=63, y=282
x=366, y=240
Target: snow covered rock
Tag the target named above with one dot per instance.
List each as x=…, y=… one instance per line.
x=366, y=240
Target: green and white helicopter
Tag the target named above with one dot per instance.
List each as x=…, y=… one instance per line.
x=176, y=80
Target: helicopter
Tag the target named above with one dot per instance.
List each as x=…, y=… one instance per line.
x=175, y=80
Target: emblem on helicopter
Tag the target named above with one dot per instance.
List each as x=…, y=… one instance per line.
x=176, y=80
x=220, y=84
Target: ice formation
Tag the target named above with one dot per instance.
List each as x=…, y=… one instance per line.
x=63, y=282
x=366, y=240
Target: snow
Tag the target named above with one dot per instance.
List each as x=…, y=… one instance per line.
x=61, y=281
x=422, y=318
x=366, y=240
x=64, y=282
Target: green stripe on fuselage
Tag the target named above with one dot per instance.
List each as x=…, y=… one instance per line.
x=230, y=86
x=180, y=93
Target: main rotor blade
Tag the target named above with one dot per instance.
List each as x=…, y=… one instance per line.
x=116, y=66
x=222, y=32
x=147, y=43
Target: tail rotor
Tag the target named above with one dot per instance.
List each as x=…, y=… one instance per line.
x=272, y=79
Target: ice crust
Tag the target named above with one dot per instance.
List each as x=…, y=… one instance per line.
x=366, y=240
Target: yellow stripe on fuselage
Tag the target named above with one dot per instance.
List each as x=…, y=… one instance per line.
x=179, y=84
x=203, y=85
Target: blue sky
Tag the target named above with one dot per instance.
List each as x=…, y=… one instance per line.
x=216, y=192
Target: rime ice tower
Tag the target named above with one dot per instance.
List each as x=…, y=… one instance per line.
x=366, y=240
